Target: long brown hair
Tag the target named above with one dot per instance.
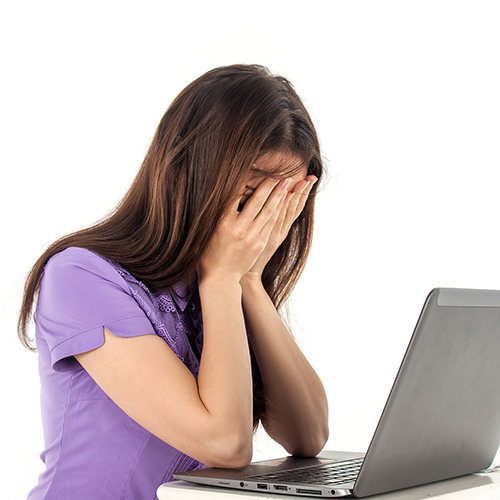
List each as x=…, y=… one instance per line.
x=205, y=144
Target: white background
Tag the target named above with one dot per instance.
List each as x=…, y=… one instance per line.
x=405, y=97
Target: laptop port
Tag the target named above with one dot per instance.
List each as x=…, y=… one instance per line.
x=308, y=492
x=262, y=486
x=280, y=487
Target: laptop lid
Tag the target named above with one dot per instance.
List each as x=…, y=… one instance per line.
x=442, y=417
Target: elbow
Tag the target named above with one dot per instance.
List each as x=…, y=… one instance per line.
x=310, y=444
x=230, y=452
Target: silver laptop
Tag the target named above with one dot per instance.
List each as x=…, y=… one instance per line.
x=441, y=419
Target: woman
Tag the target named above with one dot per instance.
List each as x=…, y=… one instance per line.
x=160, y=345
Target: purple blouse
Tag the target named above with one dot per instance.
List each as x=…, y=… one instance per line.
x=93, y=450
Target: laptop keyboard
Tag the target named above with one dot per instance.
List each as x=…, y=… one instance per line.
x=327, y=474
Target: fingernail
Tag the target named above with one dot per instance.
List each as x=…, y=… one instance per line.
x=310, y=184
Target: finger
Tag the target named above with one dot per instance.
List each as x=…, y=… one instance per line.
x=258, y=199
x=265, y=202
x=273, y=221
x=281, y=222
x=297, y=205
x=273, y=204
x=310, y=180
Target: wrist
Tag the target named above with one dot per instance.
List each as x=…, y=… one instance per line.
x=251, y=283
x=251, y=279
x=223, y=281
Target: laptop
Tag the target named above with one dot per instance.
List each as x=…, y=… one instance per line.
x=441, y=419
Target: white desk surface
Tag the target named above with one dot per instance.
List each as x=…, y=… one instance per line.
x=481, y=486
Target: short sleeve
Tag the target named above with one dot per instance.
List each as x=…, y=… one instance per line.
x=80, y=293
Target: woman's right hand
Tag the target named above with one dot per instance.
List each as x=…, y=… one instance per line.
x=242, y=236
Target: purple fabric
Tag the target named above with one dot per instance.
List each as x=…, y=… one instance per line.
x=93, y=450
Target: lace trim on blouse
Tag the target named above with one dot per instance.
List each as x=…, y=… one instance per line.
x=181, y=330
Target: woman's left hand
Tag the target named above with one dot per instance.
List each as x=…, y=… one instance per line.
x=286, y=218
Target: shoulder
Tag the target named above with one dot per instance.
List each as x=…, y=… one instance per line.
x=74, y=262
x=77, y=257
x=81, y=293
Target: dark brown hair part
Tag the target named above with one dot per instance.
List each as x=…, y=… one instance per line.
x=205, y=144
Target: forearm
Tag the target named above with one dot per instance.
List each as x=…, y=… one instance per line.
x=297, y=413
x=224, y=379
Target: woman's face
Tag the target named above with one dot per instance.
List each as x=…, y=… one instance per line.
x=285, y=162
